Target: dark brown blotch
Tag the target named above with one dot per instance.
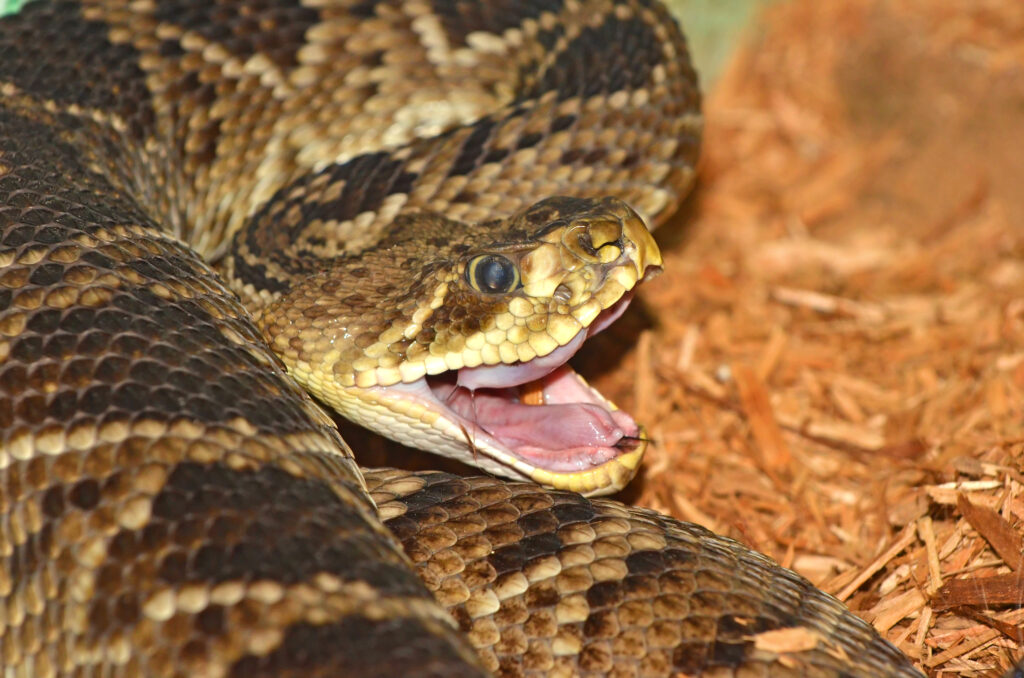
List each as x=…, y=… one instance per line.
x=459, y=18
x=358, y=646
x=71, y=61
x=53, y=502
x=211, y=621
x=266, y=524
x=274, y=28
x=617, y=54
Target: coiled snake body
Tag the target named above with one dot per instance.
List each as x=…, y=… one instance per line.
x=371, y=179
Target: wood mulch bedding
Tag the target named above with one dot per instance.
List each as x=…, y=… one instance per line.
x=832, y=364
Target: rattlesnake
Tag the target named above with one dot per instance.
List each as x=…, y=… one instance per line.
x=374, y=180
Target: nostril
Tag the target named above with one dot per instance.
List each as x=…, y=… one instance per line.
x=587, y=244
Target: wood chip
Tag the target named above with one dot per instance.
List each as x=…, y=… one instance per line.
x=896, y=609
x=827, y=303
x=962, y=648
x=948, y=493
x=783, y=641
x=999, y=589
x=775, y=455
x=771, y=355
x=927, y=534
x=1006, y=541
x=1008, y=629
x=645, y=379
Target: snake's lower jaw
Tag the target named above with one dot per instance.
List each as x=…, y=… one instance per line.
x=470, y=428
x=621, y=459
x=608, y=478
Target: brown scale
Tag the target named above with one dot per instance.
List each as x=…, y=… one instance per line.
x=172, y=504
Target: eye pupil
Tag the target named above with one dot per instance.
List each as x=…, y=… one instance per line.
x=496, y=274
x=493, y=274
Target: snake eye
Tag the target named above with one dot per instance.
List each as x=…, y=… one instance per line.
x=492, y=274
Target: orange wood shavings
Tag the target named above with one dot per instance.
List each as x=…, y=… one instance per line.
x=781, y=641
x=896, y=609
x=904, y=540
x=926, y=530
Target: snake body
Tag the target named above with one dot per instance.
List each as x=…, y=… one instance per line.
x=172, y=503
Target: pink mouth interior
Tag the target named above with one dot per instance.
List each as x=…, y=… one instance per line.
x=572, y=430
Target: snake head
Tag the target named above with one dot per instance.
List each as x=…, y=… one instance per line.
x=455, y=338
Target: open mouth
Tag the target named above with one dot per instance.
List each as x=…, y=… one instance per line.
x=540, y=412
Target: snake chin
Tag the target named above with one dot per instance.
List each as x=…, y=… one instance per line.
x=539, y=412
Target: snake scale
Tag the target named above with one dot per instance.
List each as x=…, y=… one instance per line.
x=423, y=206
